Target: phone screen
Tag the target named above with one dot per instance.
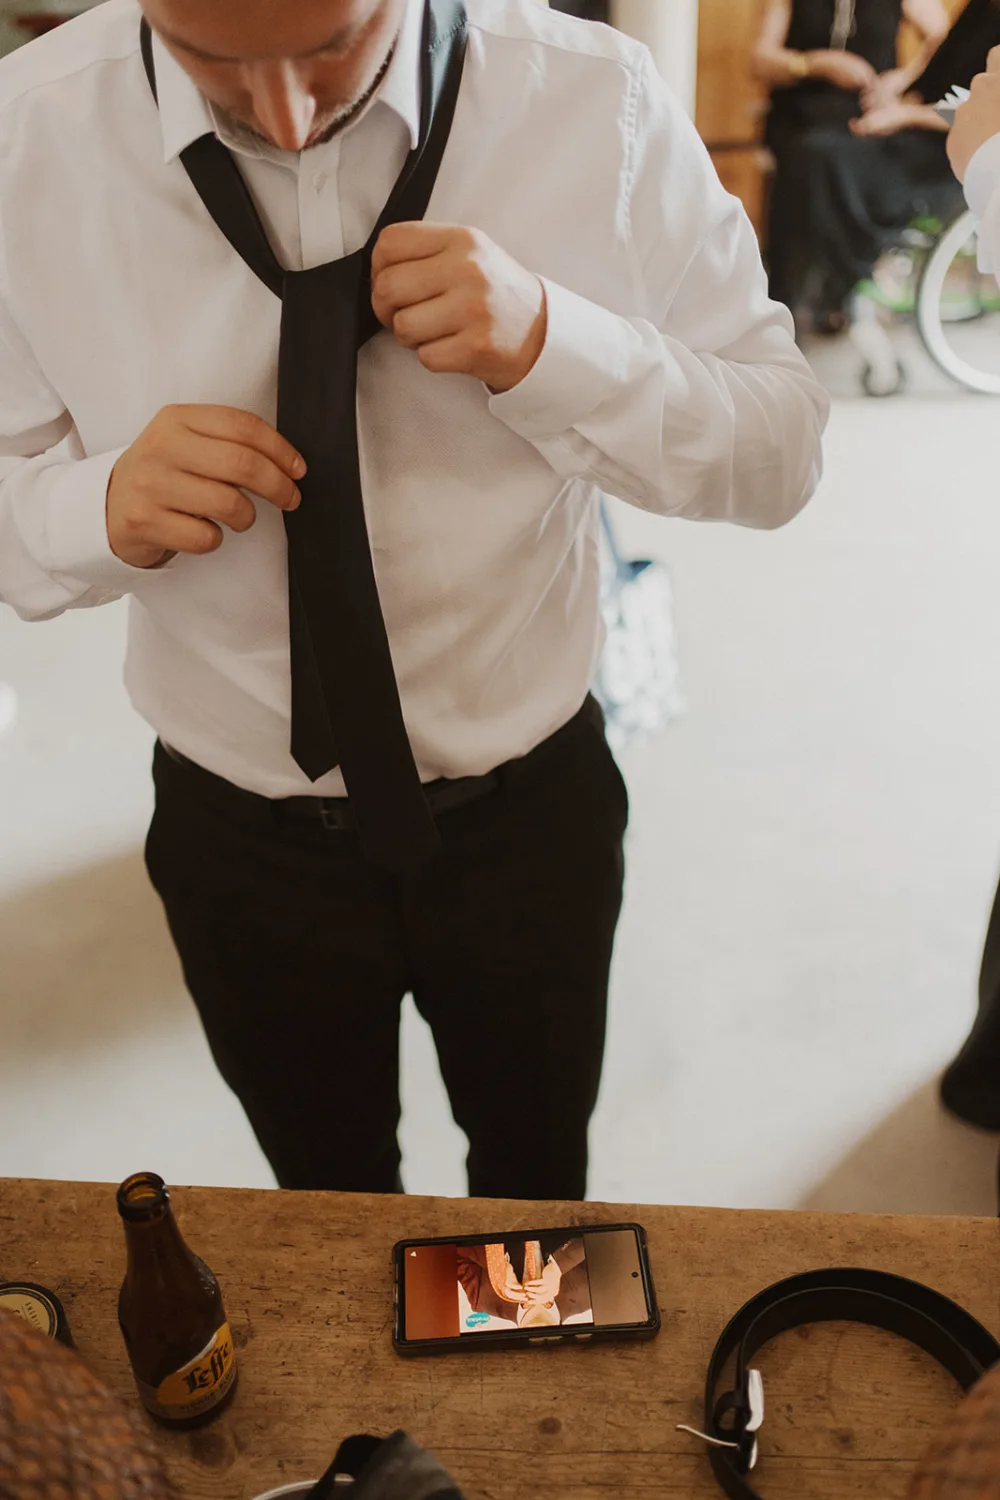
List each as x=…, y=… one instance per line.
x=576, y=1278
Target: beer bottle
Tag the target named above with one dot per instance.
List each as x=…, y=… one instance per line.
x=170, y=1312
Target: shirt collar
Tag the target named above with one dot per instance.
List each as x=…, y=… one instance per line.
x=185, y=113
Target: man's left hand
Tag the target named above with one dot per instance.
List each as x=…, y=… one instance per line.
x=461, y=302
x=978, y=119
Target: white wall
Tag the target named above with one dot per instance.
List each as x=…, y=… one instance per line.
x=670, y=30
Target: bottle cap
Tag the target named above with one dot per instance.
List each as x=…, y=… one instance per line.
x=37, y=1306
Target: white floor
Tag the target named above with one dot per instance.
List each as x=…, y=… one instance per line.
x=812, y=857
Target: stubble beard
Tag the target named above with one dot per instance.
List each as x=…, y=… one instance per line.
x=344, y=116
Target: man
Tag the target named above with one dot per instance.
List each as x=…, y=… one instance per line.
x=971, y=1085
x=579, y=307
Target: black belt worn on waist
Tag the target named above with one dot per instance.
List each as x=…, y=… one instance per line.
x=926, y=1318
x=334, y=813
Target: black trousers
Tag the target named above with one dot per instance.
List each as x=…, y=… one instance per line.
x=971, y=1085
x=298, y=954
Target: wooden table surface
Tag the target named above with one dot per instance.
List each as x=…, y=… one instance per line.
x=307, y=1284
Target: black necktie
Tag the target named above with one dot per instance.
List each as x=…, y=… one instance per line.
x=345, y=701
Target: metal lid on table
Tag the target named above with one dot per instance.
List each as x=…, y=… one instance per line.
x=38, y=1307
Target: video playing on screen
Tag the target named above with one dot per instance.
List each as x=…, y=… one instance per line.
x=556, y=1279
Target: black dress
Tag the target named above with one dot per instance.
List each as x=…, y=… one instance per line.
x=838, y=199
x=813, y=28
x=588, y=10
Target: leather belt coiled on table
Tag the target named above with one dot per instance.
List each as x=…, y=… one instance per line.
x=937, y=1325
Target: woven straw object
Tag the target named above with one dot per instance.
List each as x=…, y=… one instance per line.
x=63, y=1436
x=964, y=1462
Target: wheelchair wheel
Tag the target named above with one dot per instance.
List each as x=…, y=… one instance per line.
x=958, y=310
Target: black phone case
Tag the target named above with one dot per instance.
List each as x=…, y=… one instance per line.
x=526, y=1338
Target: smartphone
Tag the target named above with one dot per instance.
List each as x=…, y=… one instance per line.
x=526, y=1287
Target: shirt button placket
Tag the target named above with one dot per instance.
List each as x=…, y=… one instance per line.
x=319, y=210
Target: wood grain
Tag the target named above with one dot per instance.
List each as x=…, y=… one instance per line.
x=307, y=1283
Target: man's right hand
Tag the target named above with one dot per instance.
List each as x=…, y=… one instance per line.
x=845, y=70
x=183, y=479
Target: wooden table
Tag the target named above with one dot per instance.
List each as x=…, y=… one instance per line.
x=307, y=1284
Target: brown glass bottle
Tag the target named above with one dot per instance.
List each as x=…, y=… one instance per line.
x=170, y=1312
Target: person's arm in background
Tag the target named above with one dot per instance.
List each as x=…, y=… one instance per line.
x=974, y=150
x=569, y=1255
x=902, y=114
x=779, y=66
x=471, y=1267
x=702, y=406
x=931, y=22
x=474, y=1278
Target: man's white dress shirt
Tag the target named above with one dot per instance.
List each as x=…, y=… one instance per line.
x=982, y=189
x=668, y=378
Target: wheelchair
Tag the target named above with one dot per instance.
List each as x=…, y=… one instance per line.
x=930, y=277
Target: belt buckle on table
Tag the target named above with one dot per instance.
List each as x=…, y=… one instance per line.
x=748, y=1404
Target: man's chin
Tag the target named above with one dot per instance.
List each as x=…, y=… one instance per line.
x=315, y=138
x=325, y=131
x=343, y=116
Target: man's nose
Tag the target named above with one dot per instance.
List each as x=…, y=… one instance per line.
x=284, y=107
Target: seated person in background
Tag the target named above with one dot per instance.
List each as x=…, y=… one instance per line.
x=856, y=157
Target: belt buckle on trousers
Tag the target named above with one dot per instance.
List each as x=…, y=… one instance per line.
x=335, y=814
x=443, y=796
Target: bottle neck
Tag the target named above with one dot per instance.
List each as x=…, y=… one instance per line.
x=156, y=1249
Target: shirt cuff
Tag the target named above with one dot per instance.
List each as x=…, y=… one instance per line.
x=76, y=529
x=982, y=176
x=583, y=360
